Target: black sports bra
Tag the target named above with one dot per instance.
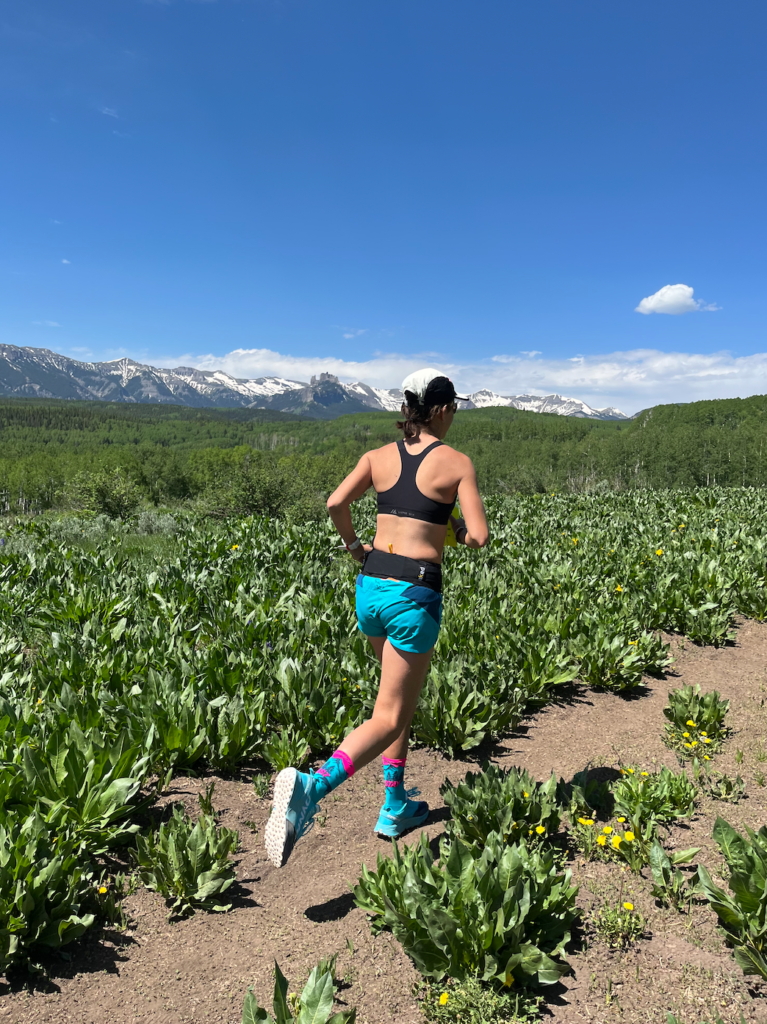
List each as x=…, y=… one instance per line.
x=404, y=498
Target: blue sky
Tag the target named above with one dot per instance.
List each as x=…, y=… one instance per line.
x=287, y=187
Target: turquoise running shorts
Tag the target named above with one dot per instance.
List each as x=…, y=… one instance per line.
x=408, y=616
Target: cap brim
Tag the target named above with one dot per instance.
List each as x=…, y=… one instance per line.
x=463, y=398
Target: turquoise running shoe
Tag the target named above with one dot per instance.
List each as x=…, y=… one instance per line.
x=393, y=825
x=293, y=809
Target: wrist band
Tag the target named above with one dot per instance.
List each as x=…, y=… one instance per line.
x=354, y=545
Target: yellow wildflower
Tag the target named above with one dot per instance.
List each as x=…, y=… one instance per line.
x=617, y=841
x=689, y=746
x=706, y=757
x=581, y=821
x=540, y=830
x=690, y=722
x=659, y=552
x=686, y=735
x=619, y=588
x=703, y=733
x=630, y=770
x=443, y=999
x=629, y=837
x=525, y=795
x=235, y=547
x=628, y=906
x=644, y=773
x=635, y=642
x=681, y=526
x=508, y=981
x=621, y=820
x=694, y=743
x=589, y=821
x=707, y=740
x=601, y=840
x=607, y=830
x=102, y=889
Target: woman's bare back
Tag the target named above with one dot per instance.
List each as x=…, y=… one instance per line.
x=439, y=477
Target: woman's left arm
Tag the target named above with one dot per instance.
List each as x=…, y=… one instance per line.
x=353, y=487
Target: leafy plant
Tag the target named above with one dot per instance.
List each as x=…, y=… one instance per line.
x=86, y=784
x=501, y=913
x=718, y=785
x=473, y=1002
x=45, y=884
x=671, y=887
x=508, y=802
x=261, y=784
x=585, y=797
x=188, y=862
x=743, y=914
x=313, y=1006
x=695, y=721
x=619, y=925
x=286, y=749
x=661, y=797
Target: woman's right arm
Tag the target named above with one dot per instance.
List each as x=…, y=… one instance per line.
x=474, y=534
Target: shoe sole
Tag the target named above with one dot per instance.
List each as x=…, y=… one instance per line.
x=277, y=836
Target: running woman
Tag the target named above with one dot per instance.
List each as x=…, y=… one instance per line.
x=399, y=601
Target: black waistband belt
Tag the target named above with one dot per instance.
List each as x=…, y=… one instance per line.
x=398, y=567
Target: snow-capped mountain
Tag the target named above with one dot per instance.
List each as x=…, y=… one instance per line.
x=38, y=372
x=543, y=403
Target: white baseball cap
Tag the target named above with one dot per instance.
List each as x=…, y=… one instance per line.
x=421, y=381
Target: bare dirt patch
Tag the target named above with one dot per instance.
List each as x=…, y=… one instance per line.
x=198, y=970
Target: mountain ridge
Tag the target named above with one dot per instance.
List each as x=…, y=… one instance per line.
x=27, y=372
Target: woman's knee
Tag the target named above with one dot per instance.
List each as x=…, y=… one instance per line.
x=392, y=721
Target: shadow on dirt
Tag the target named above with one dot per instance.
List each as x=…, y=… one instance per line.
x=332, y=910
x=97, y=952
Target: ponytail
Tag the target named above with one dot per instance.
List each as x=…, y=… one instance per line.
x=415, y=415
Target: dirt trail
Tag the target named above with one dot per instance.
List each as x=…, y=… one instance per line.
x=198, y=970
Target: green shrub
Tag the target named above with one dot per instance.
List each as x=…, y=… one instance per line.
x=619, y=925
x=501, y=913
x=671, y=887
x=696, y=722
x=654, y=798
x=86, y=784
x=188, y=863
x=508, y=802
x=742, y=915
x=45, y=883
x=718, y=785
x=583, y=797
x=313, y=1006
x=472, y=1002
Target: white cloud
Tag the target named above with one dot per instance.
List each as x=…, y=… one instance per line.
x=109, y=111
x=45, y=323
x=630, y=380
x=674, y=299
x=532, y=353
x=66, y=261
x=55, y=221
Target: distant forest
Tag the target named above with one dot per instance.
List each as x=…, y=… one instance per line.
x=53, y=453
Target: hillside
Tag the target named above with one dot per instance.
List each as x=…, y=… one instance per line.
x=176, y=453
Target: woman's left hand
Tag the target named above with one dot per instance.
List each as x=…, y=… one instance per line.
x=359, y=553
